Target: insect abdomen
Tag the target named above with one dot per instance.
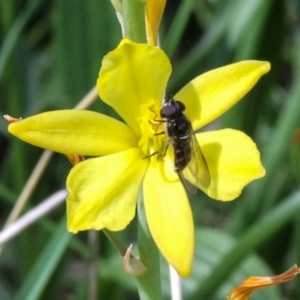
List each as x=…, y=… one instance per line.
x=182, y=152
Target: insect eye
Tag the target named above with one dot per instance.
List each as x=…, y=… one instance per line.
x=180, y=106
x=172, y=108
x=168, y=111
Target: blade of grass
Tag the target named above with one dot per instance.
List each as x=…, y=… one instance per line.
x=29, y=187
x=14, y=33
x=189, y=66
x=32, y=216
x=244, y=34
x=258, y=234
x=7, y=12
x=272, y=158
x=179, y=22
x=45, y=265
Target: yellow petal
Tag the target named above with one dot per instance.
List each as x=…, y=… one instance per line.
x=211, y=94
x=169, y=217
x=75, y=132
x=154, y=12
x=103, y=191
x=131, y=75
x=233, y=161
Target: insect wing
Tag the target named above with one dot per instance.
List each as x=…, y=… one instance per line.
x=184, y=159
x=196, y=172
x=192, y=189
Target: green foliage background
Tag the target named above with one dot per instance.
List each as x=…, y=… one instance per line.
x=50, y=55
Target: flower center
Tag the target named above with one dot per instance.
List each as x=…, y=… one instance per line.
x=153, y=138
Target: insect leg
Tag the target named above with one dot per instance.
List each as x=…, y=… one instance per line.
x=166, y=148
x=152, y=154
x=156, y=152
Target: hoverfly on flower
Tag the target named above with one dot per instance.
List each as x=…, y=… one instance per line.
x=190, y=164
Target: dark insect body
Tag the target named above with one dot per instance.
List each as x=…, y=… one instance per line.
x=189, y=161
x=179, y=130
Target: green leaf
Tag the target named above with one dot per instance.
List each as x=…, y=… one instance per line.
x=14, y=33
x=45, y=264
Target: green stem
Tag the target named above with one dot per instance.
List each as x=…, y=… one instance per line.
x=134, y=20
x=115, y=241
x=117, y=4
x=149, y=284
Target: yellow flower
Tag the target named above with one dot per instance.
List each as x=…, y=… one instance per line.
x=103, y=191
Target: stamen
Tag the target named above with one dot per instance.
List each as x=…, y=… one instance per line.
x=150, y=124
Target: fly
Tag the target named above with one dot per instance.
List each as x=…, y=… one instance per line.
x=190, y=164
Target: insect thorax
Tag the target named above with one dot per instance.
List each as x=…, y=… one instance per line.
x=178, y=127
